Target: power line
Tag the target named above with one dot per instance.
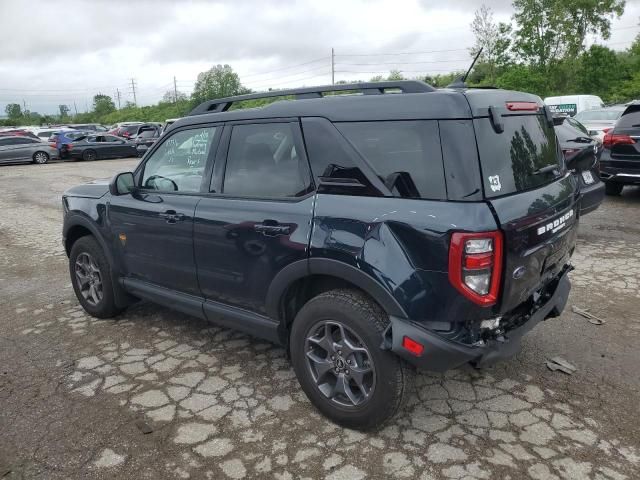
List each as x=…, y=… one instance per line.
x=400, y=53
x=286, y=68
x=405, y=63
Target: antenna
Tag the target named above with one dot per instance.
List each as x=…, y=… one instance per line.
x=460, y=81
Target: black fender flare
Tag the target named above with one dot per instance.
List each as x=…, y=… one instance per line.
x=122, y=298
x=335, y=268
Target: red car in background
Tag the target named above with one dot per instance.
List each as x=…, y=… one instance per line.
x=18, y=132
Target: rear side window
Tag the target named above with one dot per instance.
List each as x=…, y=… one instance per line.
x=405, y=155
x=511, y=161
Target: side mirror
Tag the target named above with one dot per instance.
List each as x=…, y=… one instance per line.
x=122, y=184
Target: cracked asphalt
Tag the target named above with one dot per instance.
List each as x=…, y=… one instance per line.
x=156, y=394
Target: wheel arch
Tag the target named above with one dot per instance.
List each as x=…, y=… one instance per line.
x=76, y=227
x=302, y=280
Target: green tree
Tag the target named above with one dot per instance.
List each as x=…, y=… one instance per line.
x=599, y=70
x=218, y=82
x=395, y=75
x=549, y=30
x=493, y=38
x=13, y=111
x=103, y=105
x=171, y=97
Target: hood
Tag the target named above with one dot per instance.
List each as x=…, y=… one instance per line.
x=94, y=189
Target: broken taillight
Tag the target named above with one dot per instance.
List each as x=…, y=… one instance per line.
x=475, y=265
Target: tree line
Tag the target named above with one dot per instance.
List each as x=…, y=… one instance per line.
x=542, y=50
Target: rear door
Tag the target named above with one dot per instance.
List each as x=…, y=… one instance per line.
x=257, y=218
x=532, y=194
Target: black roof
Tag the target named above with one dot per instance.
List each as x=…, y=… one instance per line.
x=376, y=101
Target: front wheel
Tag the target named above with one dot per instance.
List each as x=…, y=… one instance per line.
x=335, y=349
x=91, y=278
x=40, y=158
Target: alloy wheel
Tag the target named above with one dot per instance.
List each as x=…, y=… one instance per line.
x=340, y=364
x=89, y=279
x=41, y=157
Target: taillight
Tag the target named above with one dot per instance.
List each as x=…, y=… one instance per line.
x=522, y=106
x=611, y=139
x=475, y=265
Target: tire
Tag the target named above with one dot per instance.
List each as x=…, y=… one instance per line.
x=89, y=155
x=352, y=314
x=88, y=260
x=40, y=158
x=613, y=188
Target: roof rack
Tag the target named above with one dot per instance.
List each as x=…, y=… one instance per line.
x=367, y=88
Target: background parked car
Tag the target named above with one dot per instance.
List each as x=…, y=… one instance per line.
x=600, y=120
x=88, y=127
x=17, y=132
x=573, y=104
x=147, y=136
x=620, y=160
x=15, y=149
x=581, y=152
x=96, y=147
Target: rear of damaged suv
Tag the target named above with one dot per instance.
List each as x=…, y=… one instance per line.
x=483, y=256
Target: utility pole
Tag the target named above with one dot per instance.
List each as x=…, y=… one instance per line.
x=118, y=97
x=175, y=90
x=75, y=107
x=133, y=89
x=24, y=106
x=333, y=68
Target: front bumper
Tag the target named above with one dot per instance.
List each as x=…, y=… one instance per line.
x=441, y=354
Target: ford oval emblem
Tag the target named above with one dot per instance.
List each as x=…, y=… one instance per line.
x=519, y=272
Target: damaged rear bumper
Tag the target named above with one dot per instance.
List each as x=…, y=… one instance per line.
x=441, y=354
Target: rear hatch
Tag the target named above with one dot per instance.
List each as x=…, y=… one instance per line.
x=533, y=196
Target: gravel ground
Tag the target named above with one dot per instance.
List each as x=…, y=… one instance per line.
x=156, y=394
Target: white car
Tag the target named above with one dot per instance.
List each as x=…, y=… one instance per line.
x=600, y=121
x=573, y=104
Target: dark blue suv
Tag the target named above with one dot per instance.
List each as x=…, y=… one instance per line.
x=369, y=233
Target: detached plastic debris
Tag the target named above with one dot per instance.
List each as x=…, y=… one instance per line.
x=586, y=314
x=144, y=427
x=559, y=363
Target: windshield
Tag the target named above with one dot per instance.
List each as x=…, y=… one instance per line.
x=595, y=115
x=515, y=160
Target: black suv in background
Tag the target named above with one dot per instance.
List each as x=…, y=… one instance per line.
x=620, y=160
x=367, y=233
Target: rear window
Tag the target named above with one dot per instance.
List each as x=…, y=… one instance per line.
x=511, y=161
x=405, y=155
x=630, y=120
x=594, y=115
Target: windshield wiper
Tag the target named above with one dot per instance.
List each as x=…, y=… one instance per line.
x=547, y=169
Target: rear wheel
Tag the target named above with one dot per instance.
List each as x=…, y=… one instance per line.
x=335, y=350
x=612, y=188
x=89, y=155
x=91, y=278
x=40, y=157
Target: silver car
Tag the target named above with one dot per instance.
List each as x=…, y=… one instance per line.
x=600, y=120
x=15, y=149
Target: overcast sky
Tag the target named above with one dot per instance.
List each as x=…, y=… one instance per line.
x=61, y=52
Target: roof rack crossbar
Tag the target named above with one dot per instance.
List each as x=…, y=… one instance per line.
x=367, y=88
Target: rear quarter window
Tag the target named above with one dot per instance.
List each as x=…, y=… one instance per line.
x=405, y=155
x=510, y=160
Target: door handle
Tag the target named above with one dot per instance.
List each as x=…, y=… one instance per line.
x=171, y=216
x=271, y=228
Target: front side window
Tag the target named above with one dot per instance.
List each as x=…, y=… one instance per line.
x=178, y=164
x=263, y=162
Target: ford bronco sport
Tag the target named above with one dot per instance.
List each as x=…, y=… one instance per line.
x=392, y=227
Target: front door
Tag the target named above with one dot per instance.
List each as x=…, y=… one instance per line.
x=152, y=228
x=257, y=220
